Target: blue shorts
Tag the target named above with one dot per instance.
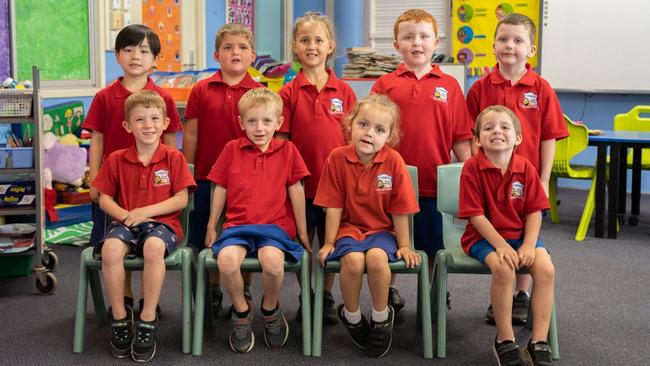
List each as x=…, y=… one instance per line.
x=135, y=237
x=199, y=216
x=315, y=214
x=254, y=237
x=383, y=240
x=99, y=224
x=482, y=248
x=427, y=227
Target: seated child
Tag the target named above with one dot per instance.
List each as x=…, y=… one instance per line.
x=367, y=191
x=502, y=196
x=260, y=178
x=143, y=188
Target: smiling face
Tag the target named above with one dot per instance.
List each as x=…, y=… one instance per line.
x=260, y=124
x=512, y=45
x=416, y=42
x=497, y=132
x=136, y=60
x=146, y=124
x=371, y=128
x=312, y=44
x=234, y=54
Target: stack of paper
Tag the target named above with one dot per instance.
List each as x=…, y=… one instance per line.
x=364, y=62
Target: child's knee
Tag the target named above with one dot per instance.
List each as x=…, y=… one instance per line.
x=502, y=273
x=354, y=263
x=543, y=271
x=113, y=251
x=153, y=249
x=272, y=261
x=228, y=262
x=376, y=260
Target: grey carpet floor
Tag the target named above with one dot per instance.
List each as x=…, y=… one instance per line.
x=602, y=293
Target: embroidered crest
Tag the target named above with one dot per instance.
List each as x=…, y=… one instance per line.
x=337, y=105
x=440, y=94
x=529, y=101
x=160, y=177
x=517, y=190
x=384, y=183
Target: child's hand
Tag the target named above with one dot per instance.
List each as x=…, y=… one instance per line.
x=508, y=256
x=304, y=241
x=210, y=237
x=326, y=250
x=526, y=255
x=134, y=217
x=94, y=194
x=409, y=256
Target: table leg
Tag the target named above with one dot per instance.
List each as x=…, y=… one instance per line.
x=636, y=181
x=601, y=173
x=612, y=201
x=622, y=182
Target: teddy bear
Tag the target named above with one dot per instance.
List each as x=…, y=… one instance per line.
x=66, y=163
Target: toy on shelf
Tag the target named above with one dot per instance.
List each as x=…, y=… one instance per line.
x=67, y=163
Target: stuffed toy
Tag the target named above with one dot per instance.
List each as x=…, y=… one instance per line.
x=67, y=163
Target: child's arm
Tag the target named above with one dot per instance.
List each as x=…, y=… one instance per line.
x=189, y=139
x=169, y=139
x=107, y=204
x=527, y=250
x=332, y=223
x=546, y=156
x=462, y=150
x=174, y=203
x=95, y=160
x=297, y=197
x=219, y=195
x=404, y=251
x=504, y=251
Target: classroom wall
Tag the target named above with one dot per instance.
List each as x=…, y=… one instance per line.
x=215, y=17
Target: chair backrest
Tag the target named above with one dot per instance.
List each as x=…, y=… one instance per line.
x=413, y=172
x=632, y=120
x=567, y=148
x=185, y=214
x=447, y=201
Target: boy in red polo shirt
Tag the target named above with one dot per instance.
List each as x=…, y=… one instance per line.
x=144, y=187
x=136, y=51
x=211, y=121
x=368, y=195
x=502, y=196
x=260, y=178
x=515, y=85
x=434, y=121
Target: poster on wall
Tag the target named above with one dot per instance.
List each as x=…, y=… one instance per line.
x=164, y=17
x=241, y=11
x=473, y=26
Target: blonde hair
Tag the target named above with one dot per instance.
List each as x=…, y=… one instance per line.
x=146, y=98
x=316, y=17
x=260, y=97
x=519, y=19
x=382, y=102
x=516, y=124
x=234, y=29
x=416, y=16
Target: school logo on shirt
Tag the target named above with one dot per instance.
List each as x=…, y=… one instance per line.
x=384, y=183
x=517, y=190
x=160, y=177
x=529, y=101
x=440, y=94
x=337, y=105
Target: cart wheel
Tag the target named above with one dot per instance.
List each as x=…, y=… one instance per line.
x=50, y=260
x=633, y=220
x=50, y=283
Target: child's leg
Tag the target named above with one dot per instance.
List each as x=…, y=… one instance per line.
x=543, y=273
x=523, y=283
x=501, y=296
x=113, y=252
x=272, y=261
x=229, y=262
x=153, y=276
x=379, y=277
x=352, y=267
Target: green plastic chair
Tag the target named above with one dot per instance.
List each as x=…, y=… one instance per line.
x=453, y=259
x=565, y=150
x=424, y=304
x=179, y=260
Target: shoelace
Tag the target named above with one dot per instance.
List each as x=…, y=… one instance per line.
x=121, y=331
x=274, y=326
x=242, y=329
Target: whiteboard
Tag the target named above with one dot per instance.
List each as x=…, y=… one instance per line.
x=596, y=46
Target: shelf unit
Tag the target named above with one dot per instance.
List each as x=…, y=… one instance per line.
x=44, y=259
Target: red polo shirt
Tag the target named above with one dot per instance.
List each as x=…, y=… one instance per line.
x=433, y=117
x=533, y=101
x=314, y=120
x=367, y=194
x=133, y=185
x=214, y=103
x=504, y=199
x=106, y=114
x=257, y=182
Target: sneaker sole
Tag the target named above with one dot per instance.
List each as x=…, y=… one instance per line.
x=390, y=340
x=286, y=335
x=142, y=358
x=496, y=355
x=246, y=350
x=118, y=353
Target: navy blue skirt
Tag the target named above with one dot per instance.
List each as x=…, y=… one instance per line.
x=383, y=240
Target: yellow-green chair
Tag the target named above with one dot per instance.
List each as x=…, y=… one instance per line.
x=633, y=121
x=565, y=150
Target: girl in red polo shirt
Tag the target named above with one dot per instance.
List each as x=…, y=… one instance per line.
x=314, y=105
x=368, y=195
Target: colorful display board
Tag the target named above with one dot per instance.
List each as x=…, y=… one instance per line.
x=241, y=11
x=473, y=26
x=164, y=17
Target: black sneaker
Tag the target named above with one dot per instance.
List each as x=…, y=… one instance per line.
x=144, y=342
x=520, y=305
x=395, y=299
x=329, y=312
x=359, y=332
x=508, y=353
x=489, y=316
x=128, y=301
x=217, y=299
x=141, y=306
x=381, y=336
x=540, y=353
x=122, y=334
x=276, y=329
x=241, y=337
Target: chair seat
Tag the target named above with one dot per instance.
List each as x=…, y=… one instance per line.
x=579, y=172
x=173, y=260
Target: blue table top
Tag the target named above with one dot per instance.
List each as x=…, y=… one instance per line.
x=630, y=137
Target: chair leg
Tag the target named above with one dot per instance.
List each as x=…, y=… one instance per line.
x=552, y=335
x=305, y=294
x=98, y=297
x=80, y=317
x=317, y=335
x=425, y=306
x=186, y=273
x=441, y=305
x=587, y=212
x=199, y=305
x=552, y=199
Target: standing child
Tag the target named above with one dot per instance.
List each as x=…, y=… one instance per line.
x=136, y=51
x=434, y=121
x=368, y=194
x=258, y=180
x=515, y=85
x=144, y=188
x=314, y=104
x=502, y=196
x=211, y=121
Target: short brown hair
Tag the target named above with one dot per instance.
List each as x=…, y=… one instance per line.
x=384, y=103
x=516, y=124
x=260, y=97
x=146, y=98
x=316, y=17
x=519, y=19
x=416, y=16
x=234, y=29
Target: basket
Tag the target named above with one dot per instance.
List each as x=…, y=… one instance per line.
x=15, y=103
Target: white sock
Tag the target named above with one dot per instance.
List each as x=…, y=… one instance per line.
x=380, y=316
x=352, y=317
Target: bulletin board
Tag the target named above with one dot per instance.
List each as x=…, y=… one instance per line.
x=242, y=12
x=5, y=47
x=53, y=35
x=164, y=17
x=473, y=26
